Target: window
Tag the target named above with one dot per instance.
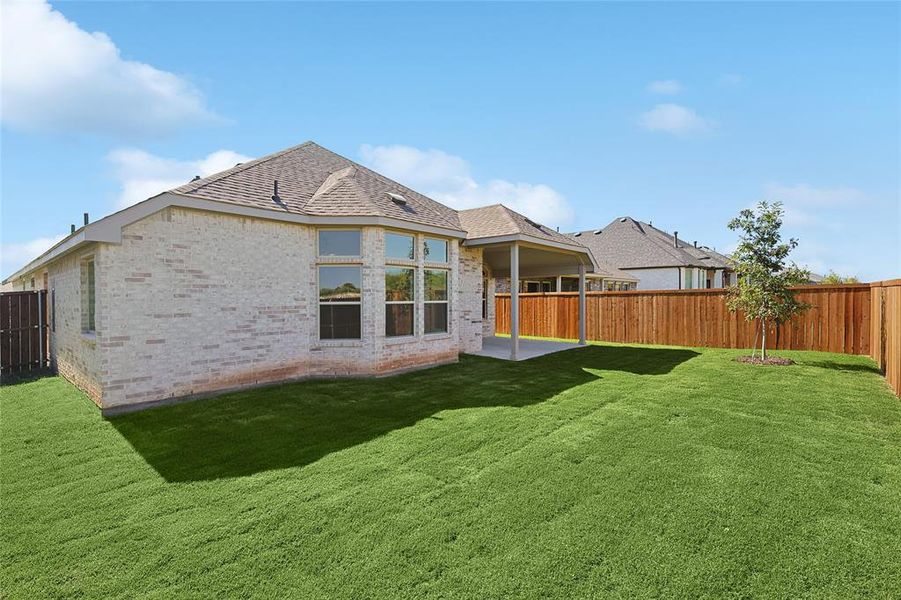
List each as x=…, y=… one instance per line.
x=399, y=246
x=88, y=297
x=53, y=309
x=399, y=297
x=435, y=250
x=484, y=295
x=339, y=302
x=339, y=242
x=435, y=301
x=689, y=283
x=569, y=284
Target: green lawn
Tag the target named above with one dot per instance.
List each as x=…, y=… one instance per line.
x=607, y=471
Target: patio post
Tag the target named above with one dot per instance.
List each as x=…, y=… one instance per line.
x=514, y=301
x=582, y=304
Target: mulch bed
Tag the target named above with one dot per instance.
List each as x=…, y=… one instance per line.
x=770, y=360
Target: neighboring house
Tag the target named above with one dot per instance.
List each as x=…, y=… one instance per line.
x=605, y=278
x=299, y=264
x=660, y=261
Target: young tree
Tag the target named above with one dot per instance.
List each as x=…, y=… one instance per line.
x=763, y=278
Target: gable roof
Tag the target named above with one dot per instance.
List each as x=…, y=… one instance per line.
x=632, y=244
x=316, y=186
x=497, y=220
x=315, y=181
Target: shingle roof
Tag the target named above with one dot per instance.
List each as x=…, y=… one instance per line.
x=498, y=220
x=631, y=244
x=315, y=181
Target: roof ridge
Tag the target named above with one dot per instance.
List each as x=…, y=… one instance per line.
x=332, y=181
x=381, y=178
x=205, y=181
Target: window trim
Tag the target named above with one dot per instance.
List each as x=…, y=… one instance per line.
x=319, y=303
x=447, y=248
x=89, y=320
x=320, y=230
x=398, y=259
x=411, y=302
x=446, y=301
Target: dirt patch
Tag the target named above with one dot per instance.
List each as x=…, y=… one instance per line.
x=770, y=360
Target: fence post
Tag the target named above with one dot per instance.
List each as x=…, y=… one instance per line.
x=41, y=298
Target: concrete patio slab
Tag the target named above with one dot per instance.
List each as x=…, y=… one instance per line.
x=499, y=347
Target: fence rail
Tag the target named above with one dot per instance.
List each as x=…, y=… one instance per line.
x=850, y=319
x=24, y=339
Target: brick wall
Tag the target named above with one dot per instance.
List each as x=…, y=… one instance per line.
x=194, y=302
x=75, y=354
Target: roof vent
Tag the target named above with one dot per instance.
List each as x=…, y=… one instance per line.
x=533, y=223
x=577, y=234
x=598, y=231
x=397, y=198
x=196, y=177
x=275, y=197
x=623, y=220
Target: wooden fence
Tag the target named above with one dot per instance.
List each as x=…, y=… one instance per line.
x=24, y=332
x=885, y=330
x=842, y=318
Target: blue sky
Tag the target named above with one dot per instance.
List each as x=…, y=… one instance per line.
x=681, y=114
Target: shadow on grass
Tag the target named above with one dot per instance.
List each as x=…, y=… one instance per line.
x=839, y=366
x=296, y=424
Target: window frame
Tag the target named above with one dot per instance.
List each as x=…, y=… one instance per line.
x=411, y=302
x=320, y=303
x=446, y=301
x=322, y=230
x=88, y=293
x=425, y=243
x=413, y=246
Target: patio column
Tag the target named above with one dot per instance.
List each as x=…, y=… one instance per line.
x=582, y=304
x=514, y=301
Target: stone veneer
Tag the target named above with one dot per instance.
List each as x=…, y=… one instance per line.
x=195, y=302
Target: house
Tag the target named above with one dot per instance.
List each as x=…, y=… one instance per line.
x=605, y=276
x=298, y=264
x=660, y=261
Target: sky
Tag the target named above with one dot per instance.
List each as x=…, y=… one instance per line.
x=681, y=114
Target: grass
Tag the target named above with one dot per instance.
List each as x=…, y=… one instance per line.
x=607, y=471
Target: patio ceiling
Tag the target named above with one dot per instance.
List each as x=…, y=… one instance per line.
x=535, y=260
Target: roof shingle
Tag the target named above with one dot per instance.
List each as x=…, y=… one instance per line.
x=315, y=181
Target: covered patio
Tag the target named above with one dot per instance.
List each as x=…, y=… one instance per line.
x=514, y=246
x=501, y=347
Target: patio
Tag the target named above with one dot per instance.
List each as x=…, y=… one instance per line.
x=501, y=347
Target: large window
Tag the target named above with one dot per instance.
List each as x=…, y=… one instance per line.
x=435, y=250
x=689, y=278
x=399, y=298
x=88, y=297
x=339, y=242
x=399, y=246
x=435, y=301
x=339, y=302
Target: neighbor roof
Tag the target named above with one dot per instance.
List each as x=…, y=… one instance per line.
x=317, y=182
x=632, y=244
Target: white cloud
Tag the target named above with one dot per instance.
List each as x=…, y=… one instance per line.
x=667, y=86
x=58, y=78
x=446, y=178
x=675, y=119
x=142, y=175
x=16, y=255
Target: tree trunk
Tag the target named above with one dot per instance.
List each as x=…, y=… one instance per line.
x=763, y=338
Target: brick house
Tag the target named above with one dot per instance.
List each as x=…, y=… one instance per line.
x=298, y=264
x=656, y=259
